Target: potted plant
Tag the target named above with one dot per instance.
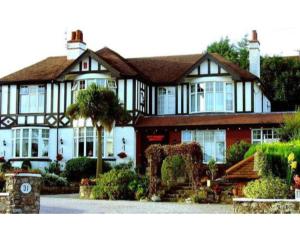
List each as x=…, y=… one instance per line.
x=297, y=187
x=59, y=157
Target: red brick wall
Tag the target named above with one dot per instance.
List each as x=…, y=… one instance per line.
x=174, y=137
x=234, y=134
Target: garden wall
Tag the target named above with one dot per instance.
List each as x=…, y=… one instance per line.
x=22, y=193
x=271, y=206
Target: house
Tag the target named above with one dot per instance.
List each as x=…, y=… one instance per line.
x=172, y=99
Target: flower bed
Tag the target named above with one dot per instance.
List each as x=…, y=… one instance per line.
x=73, y=188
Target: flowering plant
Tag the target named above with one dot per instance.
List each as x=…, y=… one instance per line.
x=122, y=155
x=17, y=171
x=2, y=159
x=87, y=182
x=59, y=157
x=297, y=181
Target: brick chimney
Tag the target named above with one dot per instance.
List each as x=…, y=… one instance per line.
x=254, y=55
x=75, y=46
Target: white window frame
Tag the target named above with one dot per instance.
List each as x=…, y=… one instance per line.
x=194, y=133
x=165, y=101
x=40, y=142
x=262, y=138
x=108, y=137
x=204, y=109
x=28, y=94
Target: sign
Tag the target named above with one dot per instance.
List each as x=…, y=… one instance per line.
x=155, y=138
x=25, y=188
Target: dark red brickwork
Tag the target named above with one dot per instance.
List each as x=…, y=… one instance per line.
x=234, y=135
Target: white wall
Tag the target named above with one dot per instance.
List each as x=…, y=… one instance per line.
x=239, y=96
x=52, y=143
x=6, y=151
x=257, y=99
x=130, y=146
x=66, y=149
x=4, y=99
x=248, y=97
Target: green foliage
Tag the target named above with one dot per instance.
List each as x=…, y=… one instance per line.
x=281, y=78
x=82, y=167
x=119, y=184
x=2, y=181
x=212, y=168
x=54, y=167
x=276, y=156
x=127, y=165
x=26, y=165
x=172, y=168
x=103, y=107
x=236, y=52
x=53, y=180
x=5, y=167
x=236, y=152
x=267, y=187
x=261, y=165
x=290, y=130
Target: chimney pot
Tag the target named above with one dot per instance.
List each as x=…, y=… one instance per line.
x=79, y=36
x=73, y=36
x=254, y=36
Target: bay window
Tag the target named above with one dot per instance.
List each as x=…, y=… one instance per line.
x=212, y=143
x=85, y=142
x=30, y=142
x=166, y=100
x=211, y=97
x=32, y=99
x=264, y=135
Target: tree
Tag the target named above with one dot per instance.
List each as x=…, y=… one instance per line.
x=102, y=106
x=235, y=52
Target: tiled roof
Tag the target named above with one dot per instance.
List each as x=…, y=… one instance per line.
x=165, y=69
x=242, y=170
x=116, y=61
x=47, y=69
x=159, y=70
x=202, y=120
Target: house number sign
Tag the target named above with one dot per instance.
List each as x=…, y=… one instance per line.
x=25, y=188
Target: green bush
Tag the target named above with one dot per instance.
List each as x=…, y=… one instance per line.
x=54, y=167
x=276, y=156
x=53, y=180
x=26, y=165
x=120, y=184
x=236, y=152
x=172, y=168
x=261, y=165
x=128, y=165
x=290, y=129
x=83, y=167
x=267, y=187
x=5, y=167
x=2, y=181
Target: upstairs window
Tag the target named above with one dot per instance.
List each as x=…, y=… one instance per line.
x=166, y=100
x=32, y=99
x=211, y=97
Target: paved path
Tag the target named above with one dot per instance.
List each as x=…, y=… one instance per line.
x=69, y=203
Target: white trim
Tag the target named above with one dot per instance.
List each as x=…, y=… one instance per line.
x=4, y=194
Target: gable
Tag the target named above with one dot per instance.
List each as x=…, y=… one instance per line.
x=88, y=64
x=207, y=67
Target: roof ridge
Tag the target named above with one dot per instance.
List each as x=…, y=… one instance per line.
x=165, y=56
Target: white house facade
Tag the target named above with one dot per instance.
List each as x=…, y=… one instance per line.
x=172, y=99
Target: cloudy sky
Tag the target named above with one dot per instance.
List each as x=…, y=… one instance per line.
x=33, y=29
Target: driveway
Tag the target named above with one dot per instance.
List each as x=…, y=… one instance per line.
x=70, y=203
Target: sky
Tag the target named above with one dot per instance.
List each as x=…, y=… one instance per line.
x=32, y=30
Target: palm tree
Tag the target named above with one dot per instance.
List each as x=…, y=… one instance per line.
x=103, y=107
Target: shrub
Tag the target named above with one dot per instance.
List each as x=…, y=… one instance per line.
x=54, y=167
x=115, y=185
x=172, y=168
x=53, y=180
x=212, y=168
x=276, y=156
x=236, y=152
x=290, y=130
x=5, y=167
x=2, y=181
x=266, y=187
x=83, y=167
x=128, y=165
x=26, y=164
x=261, y=165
